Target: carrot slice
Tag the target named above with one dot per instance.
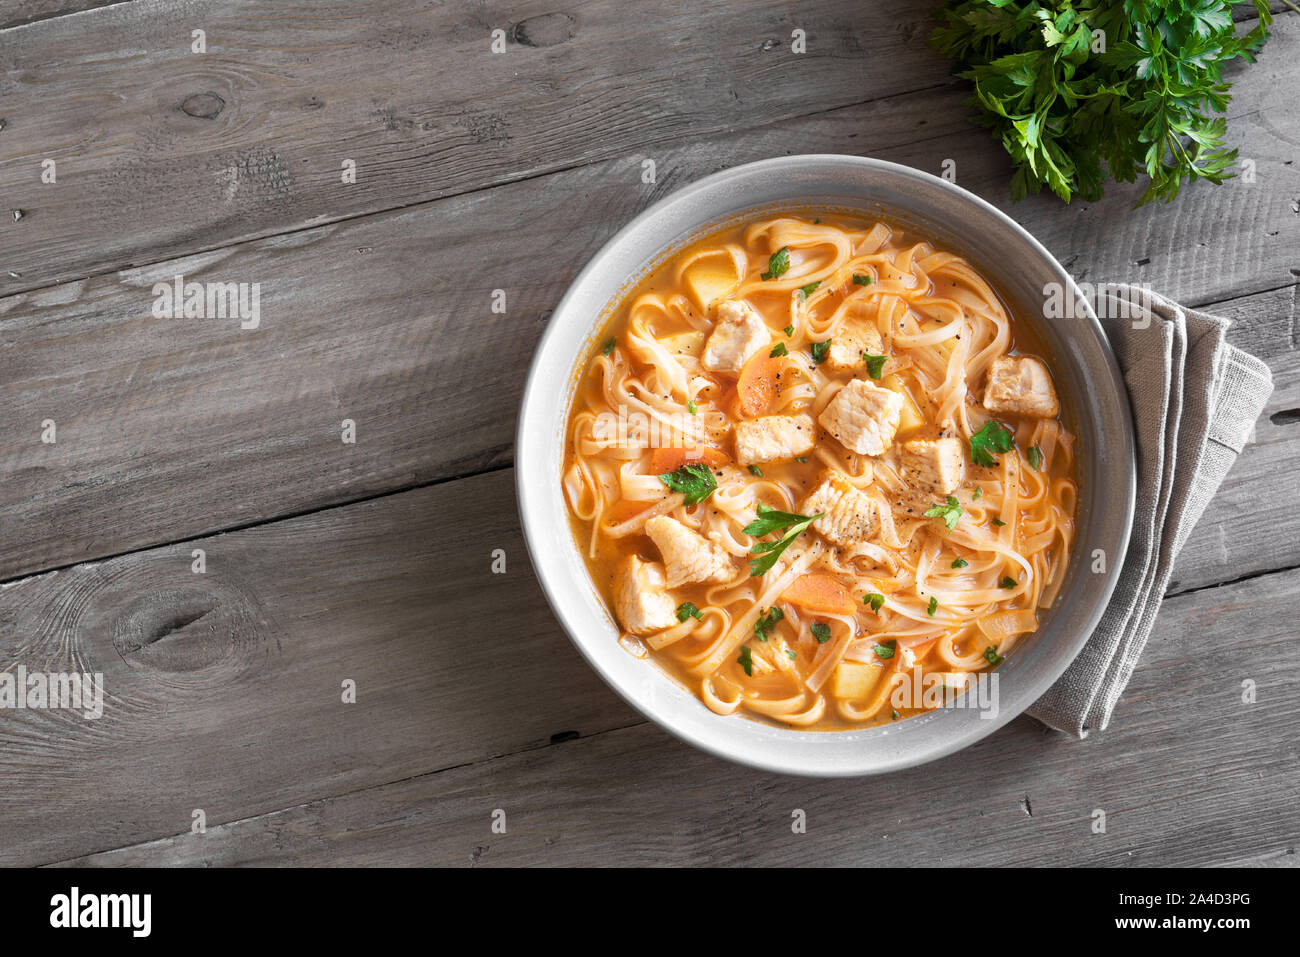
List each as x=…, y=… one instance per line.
x=759, y=382
x=671, y=459
x=818, y=592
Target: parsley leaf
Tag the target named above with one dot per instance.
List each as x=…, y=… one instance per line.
x=688, y=610
x=992, y=437
x=991, y=656
x=950, y=512
x=819, y=351
x=932, y=607
x=1070, y=114
x=875, y=600
x=959, y=563
x=608, y=347
x=788, y=330
x=1008, y=582
x=821, y=631
x=875, y=364
x=691, y=407
x=746, y=660
x=770, y=520
x=886, y=650
x=778, y=350
x=998, y=522
x=778, y=264
x=861, y=280
x=756, y=471
x=808, y=290
x=767, y=622
x=696, y=482
x=1035, y=457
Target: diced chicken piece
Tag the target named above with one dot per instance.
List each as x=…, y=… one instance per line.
x=640, y=599
x=773, y=437
x=1021, y=384
x=863, y=417
x=738, y=333
x=932, y=468
x=845, y=353
x=688, y=555
x=849, y=517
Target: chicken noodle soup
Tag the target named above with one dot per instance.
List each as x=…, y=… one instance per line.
x=815, y=460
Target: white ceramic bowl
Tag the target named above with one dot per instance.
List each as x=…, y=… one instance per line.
x=1087, y=377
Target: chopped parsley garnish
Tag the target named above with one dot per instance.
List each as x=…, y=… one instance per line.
x=977, y=493
x=696, y=482
x=819, y=351
x=687, y=609
x=691, y=407
x=991, y=656
x=778, y=350
x=767, y=622
x=788, y=330
x=777, y=264
x=875, y=600
x=893, y=714
x=992, y=437
x=802, y=459
x=861, y=280
x=608, y=347
x=808, y=290
x=756, y=471
x=1008, y=582
x=998, y=522
x=770, y=520
x=1035, y=457
x=932, y=607
x=821, y=631
x=885, y=650
x=875, y=364
x=746, y=660
x=959, y=563
x=950, y=512
x=790, y=652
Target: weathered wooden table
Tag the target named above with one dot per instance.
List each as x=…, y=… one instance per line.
x=200, y=530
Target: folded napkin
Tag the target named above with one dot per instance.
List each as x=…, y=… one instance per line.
x=1195, y=401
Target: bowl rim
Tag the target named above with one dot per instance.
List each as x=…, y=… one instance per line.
x=530, y=499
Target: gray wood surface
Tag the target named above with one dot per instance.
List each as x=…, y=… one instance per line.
x=371, y=561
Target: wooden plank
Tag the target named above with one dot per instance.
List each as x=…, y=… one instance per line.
x=1187, y=775
x=223, y=689
x=173, y=428
x=196, y=151
x=20, y=12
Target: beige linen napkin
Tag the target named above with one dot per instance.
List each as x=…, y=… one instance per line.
x=1195, y=401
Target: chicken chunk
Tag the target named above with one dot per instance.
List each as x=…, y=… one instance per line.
x=845, y=353
x=738, y=333
x=688, y=555
x=863, y=417
x=932, y=468
x=772, y=437
x=640, y=599
x=849, y=517
x=1021, y=384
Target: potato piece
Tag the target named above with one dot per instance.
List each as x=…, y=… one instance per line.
x=710, y=279
x=853, y=680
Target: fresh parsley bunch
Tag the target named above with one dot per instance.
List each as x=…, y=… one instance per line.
x=1081, y=89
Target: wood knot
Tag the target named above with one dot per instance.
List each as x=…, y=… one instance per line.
x=186, y=628
x=547, y=30
x=203, y=106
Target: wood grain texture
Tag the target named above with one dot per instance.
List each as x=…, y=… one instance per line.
x=14, y=13
x=1187, y=775
x=223, y=690
x=164, y=152
x=172, y=428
